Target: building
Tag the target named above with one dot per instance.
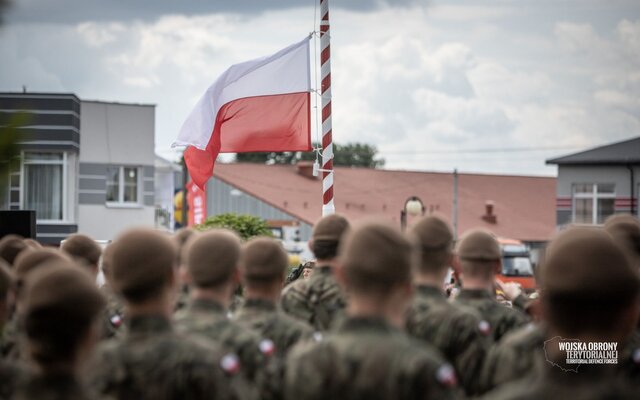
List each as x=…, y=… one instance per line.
x=596, y=183
x=86, y=166
x=518, y=207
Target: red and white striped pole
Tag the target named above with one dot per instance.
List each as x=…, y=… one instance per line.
x=328, y=207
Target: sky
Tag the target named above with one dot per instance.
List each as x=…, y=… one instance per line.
x=494, y=86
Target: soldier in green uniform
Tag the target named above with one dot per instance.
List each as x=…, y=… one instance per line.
x=152, y=361
x=181, y=238
x=210, y=266
x=368, y=356
x=10, y=372
x=590, y=294
x=62, y=306
x=319, y=300
x=263, y=266
x=458, y=333
x=479, y=259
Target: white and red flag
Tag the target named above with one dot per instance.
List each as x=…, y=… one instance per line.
x=258, y=105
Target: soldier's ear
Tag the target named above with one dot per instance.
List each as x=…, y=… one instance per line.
x=497, y=268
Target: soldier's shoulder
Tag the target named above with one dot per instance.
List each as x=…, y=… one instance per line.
x=295, y=290
x=522, y=389
x=525, y=336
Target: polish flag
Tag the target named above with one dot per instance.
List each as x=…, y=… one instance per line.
x=258, y=105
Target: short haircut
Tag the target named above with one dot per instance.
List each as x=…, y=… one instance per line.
x=326, y=236
x=6, y=280
x=82, y=248
x=376, y=258
x=181, y=238
x=263, y=261
x=61, y=304
x=142, y=264
x=587, y=282
x=212, y=257
x=29, y=261
x=10, y=247
x=435, y=238
x=625, y=230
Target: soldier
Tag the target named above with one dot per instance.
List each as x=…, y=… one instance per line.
x=9, y=371
x=152, y=361
x=479, y=259
x=625, y=230
x=84, y=250
x=10, y=247
x=459, y=334
x=181, y=238
x=264, y=263
x=590, y=293
x=368, y=356
x=113, y=314
x=25, y=264
x=319, y=300
x=210, y=266
x=61, y=307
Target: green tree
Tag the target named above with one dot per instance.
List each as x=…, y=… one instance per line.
x=247, y=226
x=349, y=155
x=9, y=147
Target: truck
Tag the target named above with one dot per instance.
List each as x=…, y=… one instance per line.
x=516, y=264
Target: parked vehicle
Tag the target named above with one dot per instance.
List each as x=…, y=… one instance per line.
x=516, y=264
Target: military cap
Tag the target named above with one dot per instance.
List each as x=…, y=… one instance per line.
x=212, y=257
x=586, y=263
x=263, y=259
x=433, y=233
x=6, y=279
x=141, y=262
x=32, y=259
x=330, y=228
x=10, y=247
x=83, y=248
x=625, y=229
x=377, y=256
x=479, y=245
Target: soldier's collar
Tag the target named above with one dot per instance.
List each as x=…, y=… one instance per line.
x=151, y=323
x=369, y=324
x=429, y=290
x=207, y=305
x=261, y=304
x=322, y=270
x=475, y=294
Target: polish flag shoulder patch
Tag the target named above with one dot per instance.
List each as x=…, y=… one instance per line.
x=446, y=375
x=484, y=327
x=116, y=320
x=230, y=364
x=267, y=347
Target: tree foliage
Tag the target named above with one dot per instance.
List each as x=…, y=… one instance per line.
x=348, y=155
x=9, y=147
x=247, y=226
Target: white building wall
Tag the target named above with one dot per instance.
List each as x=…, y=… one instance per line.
x=104, y=223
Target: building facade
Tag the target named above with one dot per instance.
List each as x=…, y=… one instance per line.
x=86, y=166
x=597, y=183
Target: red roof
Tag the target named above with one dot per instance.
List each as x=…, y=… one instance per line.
x=524, y=205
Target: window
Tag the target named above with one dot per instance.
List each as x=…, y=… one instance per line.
x=44, y=185
x=593, y=202
x=123, y=185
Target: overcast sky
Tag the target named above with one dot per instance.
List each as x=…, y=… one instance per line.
x=433, y=84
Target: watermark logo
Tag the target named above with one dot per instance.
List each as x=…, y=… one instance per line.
x=569, y=354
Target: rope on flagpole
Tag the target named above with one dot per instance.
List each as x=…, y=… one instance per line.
x=328, y=207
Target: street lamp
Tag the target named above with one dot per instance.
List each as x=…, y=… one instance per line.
x=413, y=206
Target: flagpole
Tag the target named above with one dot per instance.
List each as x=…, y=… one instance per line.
x=328, y=207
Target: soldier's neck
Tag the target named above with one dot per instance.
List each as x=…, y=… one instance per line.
x=161, y=305
x=388, y=308
x=429, y=280
x=221, y=296
x=332, y=263
x=269, y=292
x=475, y=283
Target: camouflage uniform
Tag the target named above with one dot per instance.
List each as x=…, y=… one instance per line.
x=264, y=317
x=52, y=387
x=518, y=354
x=113, y=314
x=11, y=374
x=153, y=362
x=502, y=319
x=366, y=358
x=317, y=301
x=460, y=335
x=208, y=318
